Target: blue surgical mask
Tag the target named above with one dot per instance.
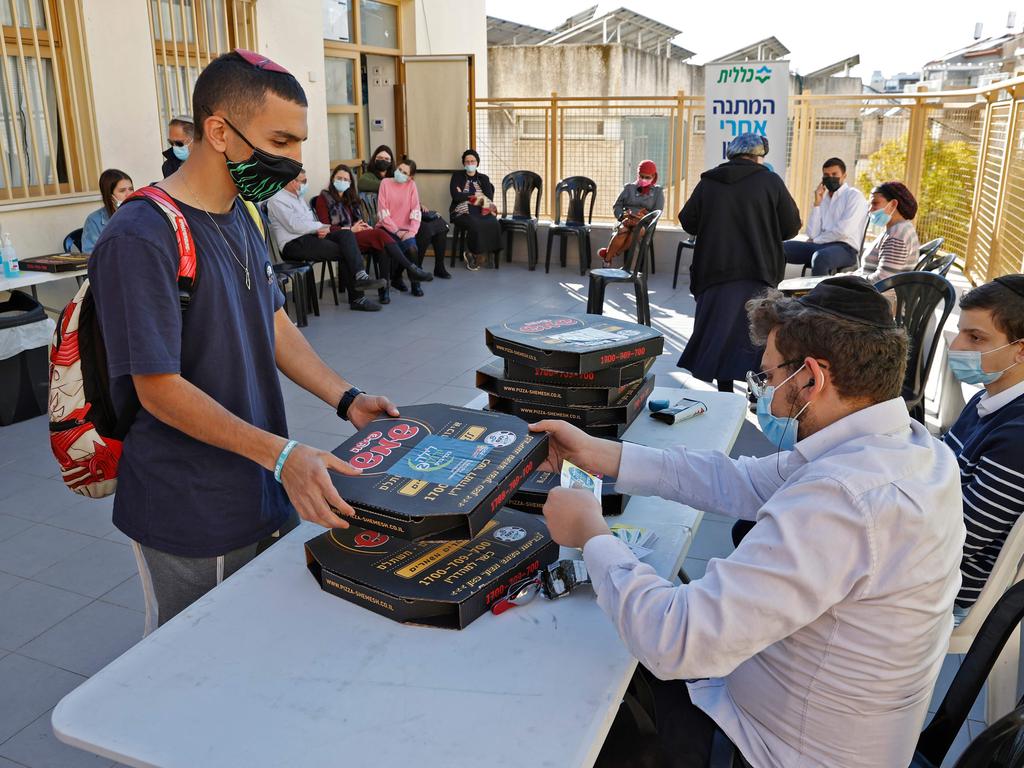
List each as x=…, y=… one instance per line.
x=400, y=177
x=180, y=152
x=302, y=189
x=470, y=168
x=879, y=218
x=342, y=185
x=781, y=431
x=966, y=365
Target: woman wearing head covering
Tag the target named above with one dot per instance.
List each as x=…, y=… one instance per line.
x=893, y=206
x=473, y=209
x=740, y=212
x=636, y=199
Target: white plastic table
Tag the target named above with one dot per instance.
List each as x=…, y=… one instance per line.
x=268, y=670
x=29, y=279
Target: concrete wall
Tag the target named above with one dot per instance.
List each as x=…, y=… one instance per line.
x=447, y=27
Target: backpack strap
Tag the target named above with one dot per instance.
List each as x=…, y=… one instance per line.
x=188, y=277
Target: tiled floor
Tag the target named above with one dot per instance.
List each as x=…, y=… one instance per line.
x=69, y=597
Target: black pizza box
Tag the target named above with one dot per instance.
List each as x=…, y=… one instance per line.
x=534, y=492
x=491, y=379
x=622, y=413
x=437, y=472
x=609, y=377
x=576, y=343
x=439, y=584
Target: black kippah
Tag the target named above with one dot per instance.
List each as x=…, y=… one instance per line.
x=851, y=298
x=1014, y=282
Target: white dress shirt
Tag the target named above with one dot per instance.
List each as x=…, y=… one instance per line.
x=989, y=404
x=822, y=635
x=839, y=218
x=290, y=217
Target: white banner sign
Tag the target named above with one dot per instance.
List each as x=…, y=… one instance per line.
x=746, y=97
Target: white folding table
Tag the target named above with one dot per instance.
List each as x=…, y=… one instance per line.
x=268, y=670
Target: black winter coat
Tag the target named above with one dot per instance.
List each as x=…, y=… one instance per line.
x=458, y=183
x=740, y=213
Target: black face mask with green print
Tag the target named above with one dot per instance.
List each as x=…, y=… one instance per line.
x=261, y=176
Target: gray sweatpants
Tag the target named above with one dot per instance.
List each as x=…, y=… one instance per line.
x=171, y=583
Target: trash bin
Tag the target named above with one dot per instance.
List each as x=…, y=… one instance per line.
x=25, y=333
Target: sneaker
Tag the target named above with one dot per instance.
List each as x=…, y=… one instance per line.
x=470, y=260
x=364, y=281
x=363, y=304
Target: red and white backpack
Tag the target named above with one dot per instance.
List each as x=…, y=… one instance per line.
x=86, y=432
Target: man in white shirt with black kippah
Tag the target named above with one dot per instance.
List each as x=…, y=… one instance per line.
x=818, y=641
x=835, y=226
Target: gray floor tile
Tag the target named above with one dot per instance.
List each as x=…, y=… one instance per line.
x=5, y=763
x=39, y=547
x=92, y=570
x=8, y=580
x=30, y=608
x=39, y=687
x=36, y=746
x=89, y=516
x=127, y=594
x=714, y=539
x=88, y=640
x=10, y=525
x=38, y=500
x=116, y=535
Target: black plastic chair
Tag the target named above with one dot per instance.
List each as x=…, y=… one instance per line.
x=952, y=712
x=931, y=260
x=580, y=189
x=917, y=295
x=295, y=273
x=1001, y=745
x=689, y=242
x=72, y=241
x=639, y=256
x=525, y=184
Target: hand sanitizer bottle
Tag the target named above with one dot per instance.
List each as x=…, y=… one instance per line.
x=11, y=268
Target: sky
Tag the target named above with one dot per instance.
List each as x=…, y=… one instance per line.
x=889, y=36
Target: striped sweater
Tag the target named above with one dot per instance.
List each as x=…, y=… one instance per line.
x=897, y=250
x=989, y=451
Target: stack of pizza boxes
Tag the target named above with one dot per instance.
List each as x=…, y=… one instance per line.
x=432, y=541
x=589, y=370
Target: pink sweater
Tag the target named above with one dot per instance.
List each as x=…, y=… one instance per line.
x=398, y=208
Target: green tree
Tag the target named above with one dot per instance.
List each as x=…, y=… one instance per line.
x=947, y=186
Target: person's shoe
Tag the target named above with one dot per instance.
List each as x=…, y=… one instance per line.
x=470, y=260
x=363, y=304
x=399, y=285
x=416, y=290
x=364, y=281
x=440, y=272
x=419, y=274
x=385, y=295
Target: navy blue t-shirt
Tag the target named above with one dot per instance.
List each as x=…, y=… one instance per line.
x=176, y=494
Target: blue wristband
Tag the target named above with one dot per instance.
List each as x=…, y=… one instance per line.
x=283, y=457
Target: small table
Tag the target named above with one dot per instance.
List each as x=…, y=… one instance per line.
x=29, y=279
x=268, y=670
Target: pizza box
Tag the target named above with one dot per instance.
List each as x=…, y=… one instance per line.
x=437, y=472
x=438, y=584
x=576, y=343
x=621, y=413
x=55, y=263
x=491, y=379
x=534, y=492
x=609, y=377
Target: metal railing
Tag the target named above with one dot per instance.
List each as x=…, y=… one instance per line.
x=960, y=152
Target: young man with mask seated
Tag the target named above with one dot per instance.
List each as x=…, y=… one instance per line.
x=835, y=227
x=819, y=639
x=988, y=438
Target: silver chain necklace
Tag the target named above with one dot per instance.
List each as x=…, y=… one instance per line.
x=245, y=266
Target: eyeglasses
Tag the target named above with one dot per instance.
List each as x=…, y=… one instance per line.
x=260, y=62
x=175, y=143
x=757, y=383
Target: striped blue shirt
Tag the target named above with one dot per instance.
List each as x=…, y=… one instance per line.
x=988, y=446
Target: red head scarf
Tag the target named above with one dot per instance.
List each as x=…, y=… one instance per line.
x=646, y=167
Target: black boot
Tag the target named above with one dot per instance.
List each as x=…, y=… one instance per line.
x=416, y=290
x=440, y=272
x=399, y=285
x=385, y=295
x=419, y=275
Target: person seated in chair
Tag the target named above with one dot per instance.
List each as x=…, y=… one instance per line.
x=636, y=199
x=398, y=216
x=115, y=186
x=988, y=437
x=300, y=236
x=338, y=207
x=380, y=167
x=473, y=209
x=894, y=207
x=835, y=227
x=818, y=641
x=433, y=233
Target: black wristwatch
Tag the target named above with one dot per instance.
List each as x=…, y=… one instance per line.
x=346, y=401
